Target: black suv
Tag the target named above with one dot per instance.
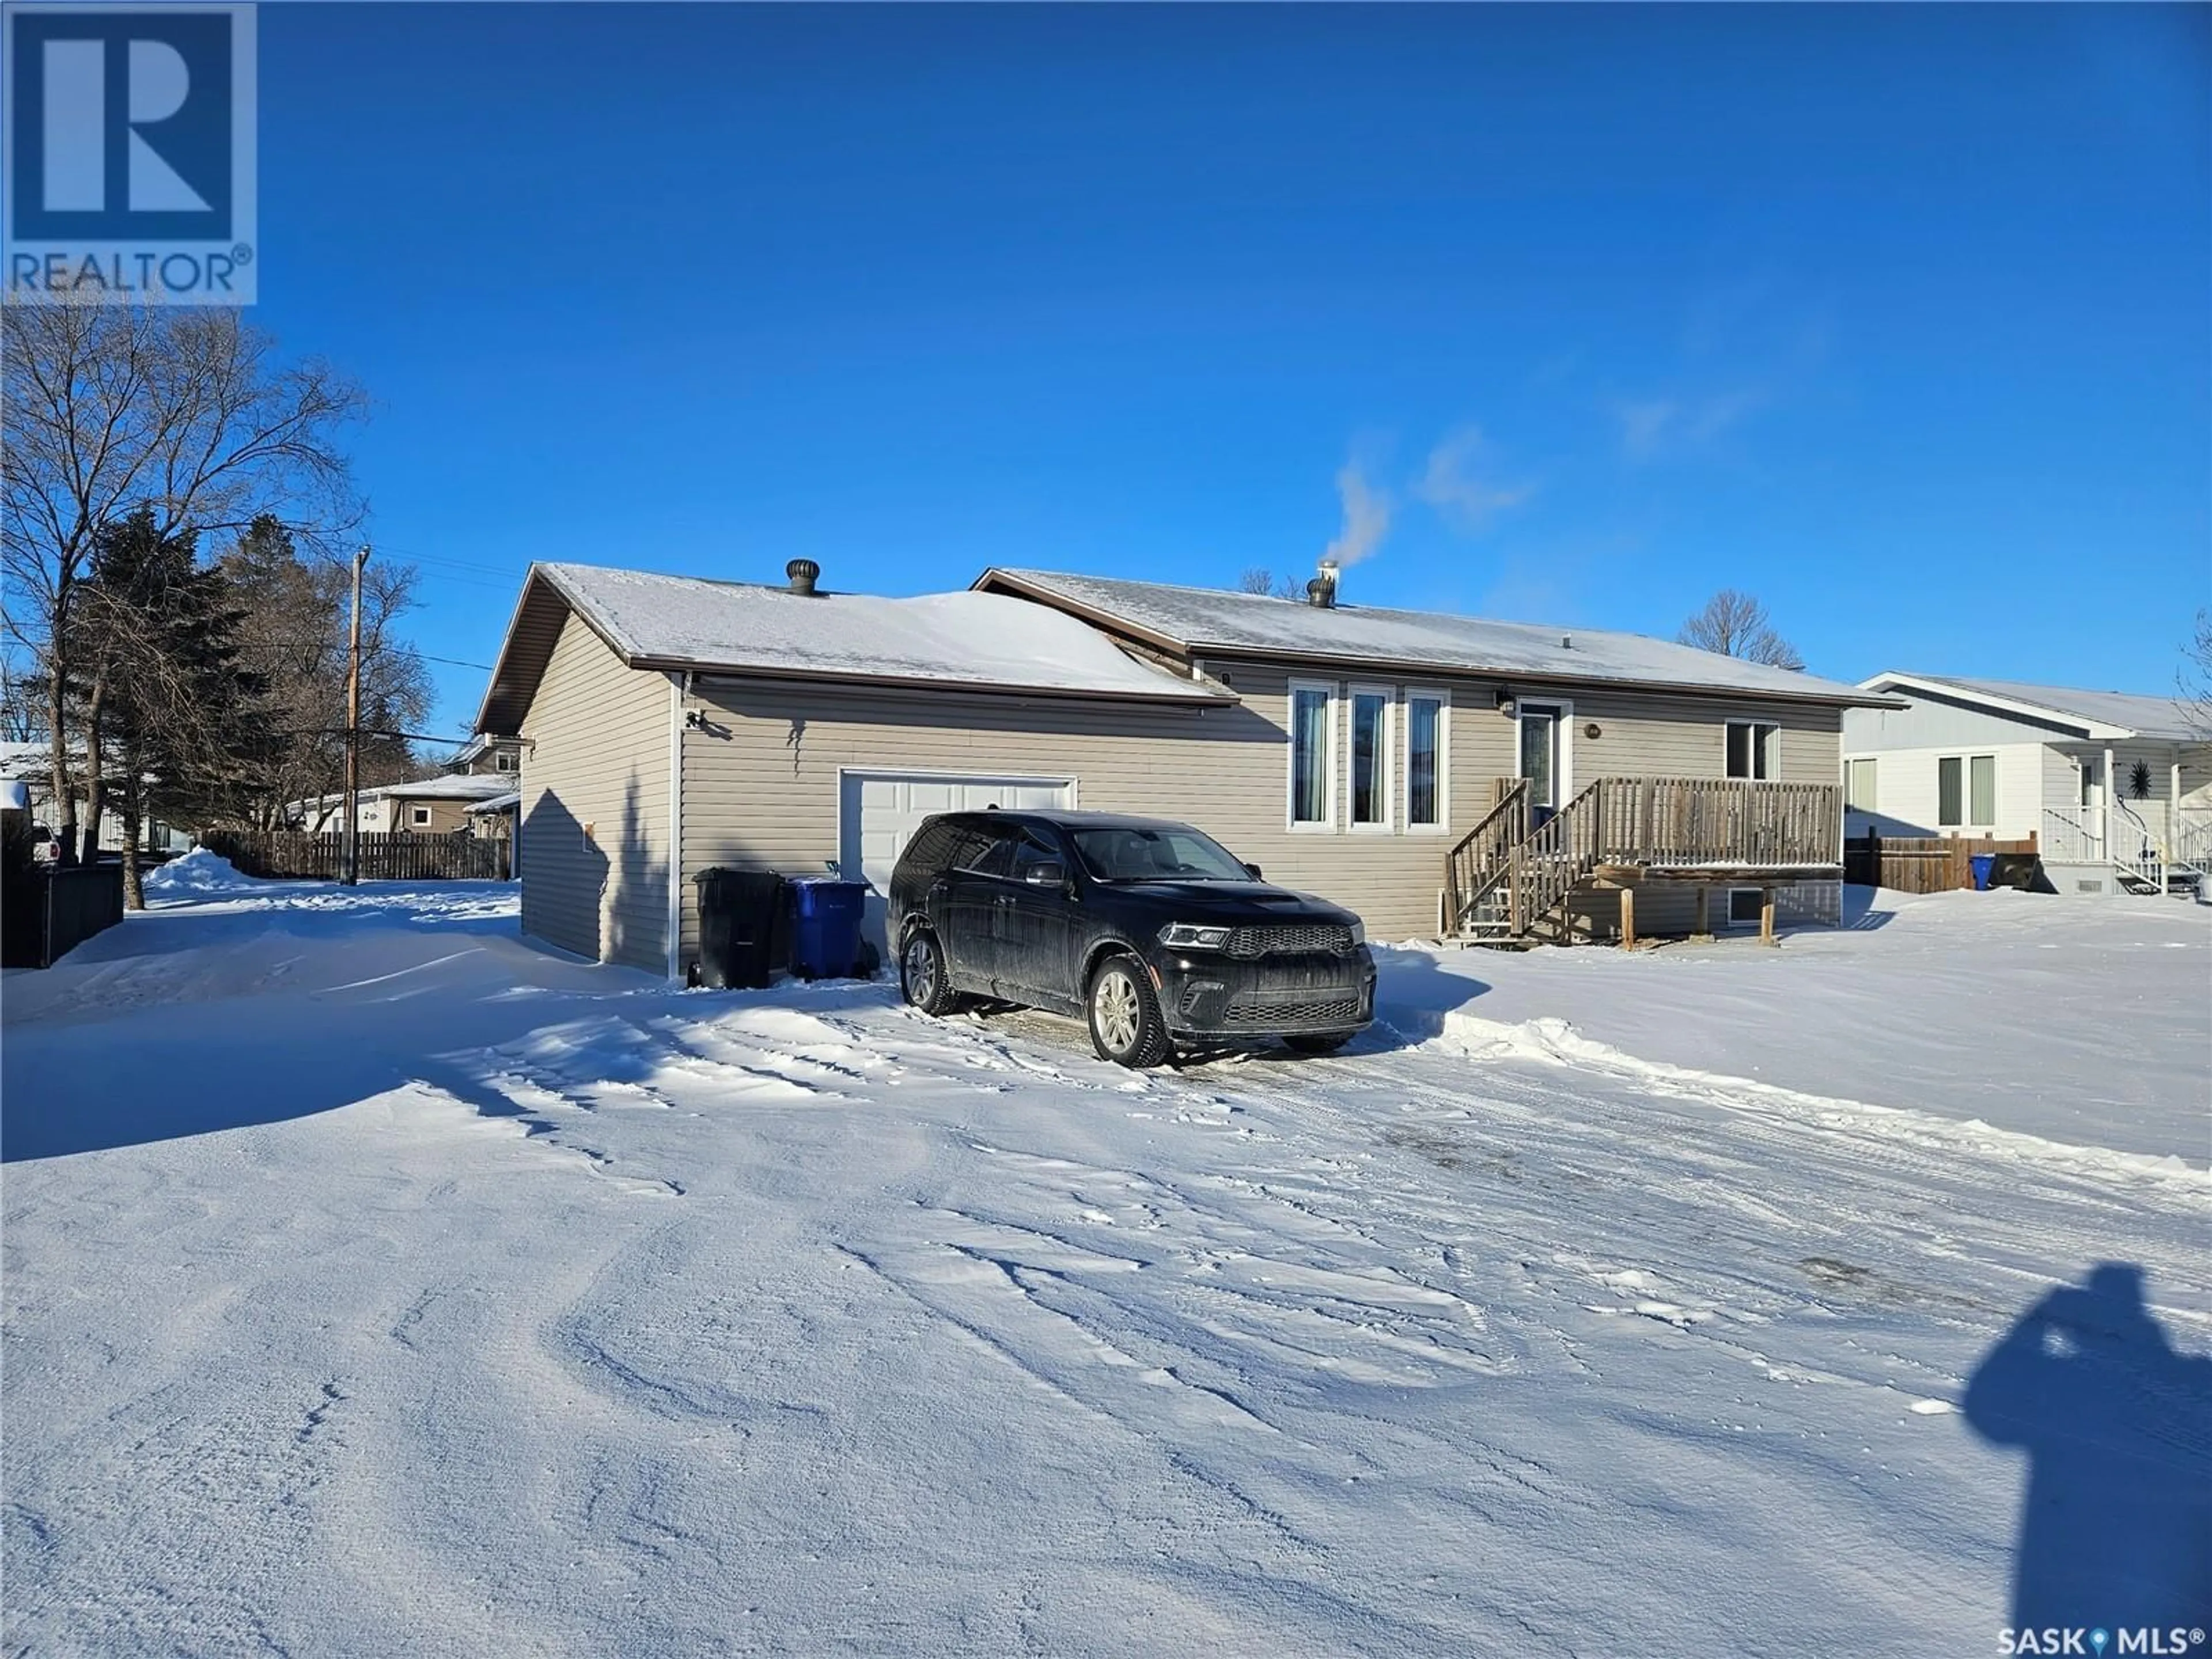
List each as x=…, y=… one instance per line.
x=1149, y=930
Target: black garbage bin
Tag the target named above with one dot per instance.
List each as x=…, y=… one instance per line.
x=737, y=911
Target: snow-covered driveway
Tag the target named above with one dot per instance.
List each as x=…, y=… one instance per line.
x=376, y=1283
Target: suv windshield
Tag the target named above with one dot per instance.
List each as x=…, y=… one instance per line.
x=1169, y=853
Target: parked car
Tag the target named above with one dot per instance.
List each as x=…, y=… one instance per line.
x=1148, y=930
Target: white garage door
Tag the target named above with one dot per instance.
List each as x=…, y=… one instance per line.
x=880, y=811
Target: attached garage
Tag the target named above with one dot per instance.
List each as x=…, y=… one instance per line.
x=879, y=812
x=673, y=725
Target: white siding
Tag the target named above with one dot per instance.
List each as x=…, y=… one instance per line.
x=1906, y=791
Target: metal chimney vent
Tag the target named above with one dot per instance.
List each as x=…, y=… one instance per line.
x=802, y=574
x=1321, y=592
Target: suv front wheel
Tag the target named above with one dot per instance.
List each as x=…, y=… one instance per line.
x=1126, y=1026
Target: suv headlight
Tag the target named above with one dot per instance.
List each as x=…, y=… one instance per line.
x=1189, y=936
x=1358, y=935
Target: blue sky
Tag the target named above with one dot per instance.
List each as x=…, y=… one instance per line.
x=1896, y=316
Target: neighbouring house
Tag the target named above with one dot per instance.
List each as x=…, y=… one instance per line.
x=2116, y=788
x=1440, y=774
x=427, y=806
x=31, y=764
x=487, y=754
x=495, y=816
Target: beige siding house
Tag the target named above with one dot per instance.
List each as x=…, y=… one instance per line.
x=1393, y=761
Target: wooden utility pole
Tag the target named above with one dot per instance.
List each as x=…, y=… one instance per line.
x=353, y=729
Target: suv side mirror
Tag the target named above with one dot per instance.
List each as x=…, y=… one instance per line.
x=1253, y=871
x=1046, y=873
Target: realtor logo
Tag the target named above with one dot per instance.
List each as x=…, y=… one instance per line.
x=130, y=160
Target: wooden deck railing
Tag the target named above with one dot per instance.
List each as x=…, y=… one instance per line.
x=1691, y=821
x=1477, y=863
x=1648, y=822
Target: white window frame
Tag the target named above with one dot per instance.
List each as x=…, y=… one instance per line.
x=1384, y=741
x=1441, y=696
x=1564, y=785
x=504, y=761
x=419, y=817
x=1326, y=824
x=1873, y=783
x=1765, y=752
x=1967, y=823
x=1990, y=822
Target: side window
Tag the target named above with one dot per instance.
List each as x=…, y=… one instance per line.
x=991, y=855
x=1030, y=852
x=1751, y=749
x=931, y=849
x=1950, y=793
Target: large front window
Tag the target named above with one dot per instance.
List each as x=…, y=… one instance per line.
x=1370, y=759
x=1310, y=755
x=1424, y=739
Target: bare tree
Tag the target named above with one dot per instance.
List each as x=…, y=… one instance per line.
x=2195, y=678
x=293, y=639
x=187, y=410
x=1735, y=624
x=1265, y=582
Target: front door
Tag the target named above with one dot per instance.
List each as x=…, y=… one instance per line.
x=1542, y=757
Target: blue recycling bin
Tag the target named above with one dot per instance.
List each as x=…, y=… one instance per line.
x=825, y=926
x=1982, y=863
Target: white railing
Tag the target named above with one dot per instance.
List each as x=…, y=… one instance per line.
x=2073, y=835
x=2192, y=840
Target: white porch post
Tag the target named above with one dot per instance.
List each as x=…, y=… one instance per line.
x=2111, y=786
x=2173, y=807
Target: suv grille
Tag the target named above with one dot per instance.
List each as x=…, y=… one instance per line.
x=1319, y=1010
x=1290, y=940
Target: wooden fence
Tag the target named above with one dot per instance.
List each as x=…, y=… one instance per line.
x=1930, y=865
x=296, y=853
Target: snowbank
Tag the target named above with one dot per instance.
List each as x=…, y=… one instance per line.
x=198, y=874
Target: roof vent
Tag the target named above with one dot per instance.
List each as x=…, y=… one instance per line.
x=1566, y=641
x=1321, y=592
x=802, y=574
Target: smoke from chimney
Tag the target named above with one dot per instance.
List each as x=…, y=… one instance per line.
x=1366, y=519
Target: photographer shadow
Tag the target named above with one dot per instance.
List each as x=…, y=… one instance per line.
x=2116, y=1531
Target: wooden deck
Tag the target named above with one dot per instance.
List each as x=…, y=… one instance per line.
x=1621, y=831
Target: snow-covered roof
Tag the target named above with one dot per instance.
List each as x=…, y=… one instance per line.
x=1205, y=619
x=969, y=640
x=25, y=760
x=451, y=785
x=2107, y=714
x=454, y=785
x=505, y=802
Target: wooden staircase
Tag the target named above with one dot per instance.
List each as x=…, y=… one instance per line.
x=1507, y=881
